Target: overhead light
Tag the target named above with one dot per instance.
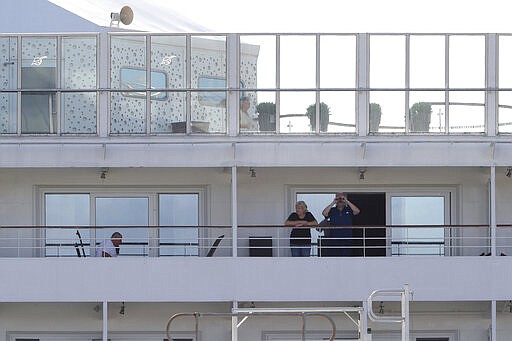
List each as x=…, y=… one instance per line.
x=121, y=311
x=361, y=173
x=103, y=174
x=508, y=173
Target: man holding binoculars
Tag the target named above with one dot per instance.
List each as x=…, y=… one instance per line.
x=337, y=241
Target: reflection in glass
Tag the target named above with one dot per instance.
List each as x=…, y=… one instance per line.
x=467, y=61
x=467, y=112
x=66, y=210
x=427, y=61
x=342, y=111
x=258, y=61
x=124, y=211
x=248, y=118
x=179, y=210
x=293, y=112
x=265, y=110
x=169, y=115
x=128, y=114
x=427, y=112
x=417, y=211
x=8, y=80
x=392, y=105
x=38, y=71
x=338, y=61
x=505, y=112
x=387, y=61
x=298, y=61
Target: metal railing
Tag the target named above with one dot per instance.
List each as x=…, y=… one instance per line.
x=257, y=241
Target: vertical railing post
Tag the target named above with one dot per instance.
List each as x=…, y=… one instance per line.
x=105, y=321
x=492, y=210
x=234, y=323
x=234, y=210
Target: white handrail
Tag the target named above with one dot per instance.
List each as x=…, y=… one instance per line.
x=405, y=296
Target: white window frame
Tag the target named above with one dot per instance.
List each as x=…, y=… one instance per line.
x=450, y=192
x=449, y=213
x=151, y=192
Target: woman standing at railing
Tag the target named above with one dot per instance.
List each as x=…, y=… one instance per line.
x=300, y=237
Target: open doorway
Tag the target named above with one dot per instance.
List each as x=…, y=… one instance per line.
x=372, y=240
x=373, y=214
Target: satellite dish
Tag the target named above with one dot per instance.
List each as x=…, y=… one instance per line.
x=126, y=15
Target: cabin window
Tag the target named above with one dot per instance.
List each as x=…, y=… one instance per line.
x=134, y=79
x=418, y=210
x=115, y=211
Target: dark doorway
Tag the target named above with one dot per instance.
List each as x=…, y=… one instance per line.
x=373, y=215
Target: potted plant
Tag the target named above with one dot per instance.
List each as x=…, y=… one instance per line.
x=419, y=117
x=266, y=116
x=375, y=112
x=324, y=116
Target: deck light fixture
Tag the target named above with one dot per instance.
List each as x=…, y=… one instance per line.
x=252, y=172
x=103, y=174
x=121, y=311
x=508, y=174
x=361, y=173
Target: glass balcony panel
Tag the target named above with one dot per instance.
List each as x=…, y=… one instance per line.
x=8, y=63
x=208, y=63
x=168, y=58
x=342, y=111
x=208, y=111
x=168, y=113
x=427, y=112
x=258, y=61
x=505, y=112
x=128, y=71
x=79, y=62
x=8, y=113
x=387, y=61
x=293, y=111
x=298, y=61
x=505, y=61
x=128, y=62
x=208, y=60
x=266, y=111
x=338, y=61
x=127, y=114
x=467, y=112
x=392, y=104
x=79, y=113
x=38, y=72
x=427, y=61
x=467, y=61
x=8, y=80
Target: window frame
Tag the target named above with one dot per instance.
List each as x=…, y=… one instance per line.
x=151, y=192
